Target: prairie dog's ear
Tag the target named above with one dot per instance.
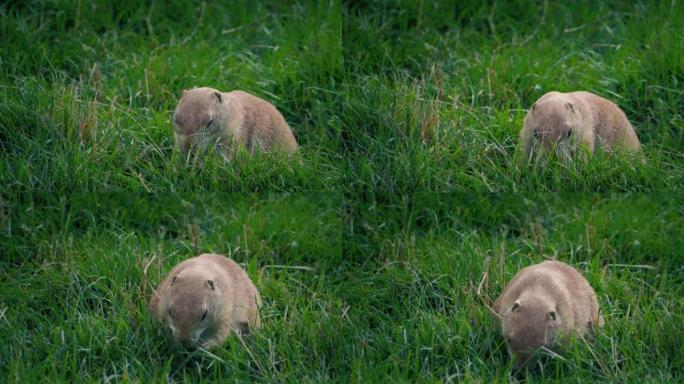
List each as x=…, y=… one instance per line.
x=210, y=283
x=185, y=91
x=218, y=97
x=570, y=107
x=534, y=106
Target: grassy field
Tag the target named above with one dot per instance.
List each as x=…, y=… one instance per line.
x=398, y=294
x=431, y=263
x=378, y=252
x=437, y=103
x=77, y=274
x=88, y=90
x=392, y=95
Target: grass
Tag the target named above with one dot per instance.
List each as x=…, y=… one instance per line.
x=438, y=102
x=88, y=91
x=379, y=248
x=436, y=105
x=77, y=273
x=433, y=263
x=395, y=291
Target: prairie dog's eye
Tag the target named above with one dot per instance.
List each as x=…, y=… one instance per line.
x=169, y=311
x=568, y=134
x=204, y=315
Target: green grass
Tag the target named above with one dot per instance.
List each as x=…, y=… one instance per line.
x=394, y=291
x=88, y=90
x=378, y=249
x=392, y=95
x=434, y=261
x=77, y=274
x=437, y=103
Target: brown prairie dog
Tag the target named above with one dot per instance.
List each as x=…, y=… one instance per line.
x=562, y=121
x=206, y=117
x=205, y=298
x=542, y=304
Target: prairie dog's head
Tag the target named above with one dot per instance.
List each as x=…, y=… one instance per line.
x=555, y=124
x=529, y=324
x=191, y=308
x=197, y=117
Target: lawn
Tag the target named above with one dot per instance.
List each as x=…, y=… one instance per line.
x=437, y=103
x=379, y=247
x=387, y=289
x=88, y=90
x=432, y=263
x=77, y=274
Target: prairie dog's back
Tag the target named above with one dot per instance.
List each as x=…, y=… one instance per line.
x=263, y=125
x=556, y=277
x=610, y=122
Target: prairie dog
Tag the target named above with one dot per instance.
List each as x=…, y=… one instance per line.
x=206, y=117
x=563, y=121
x=204, y=298
x=542, y=304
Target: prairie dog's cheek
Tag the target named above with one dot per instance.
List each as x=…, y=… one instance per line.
x=215, y=125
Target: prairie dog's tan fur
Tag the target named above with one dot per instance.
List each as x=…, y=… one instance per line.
x=206, y=117
x=561, y=121
x=543, y=303
x=204, y=298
